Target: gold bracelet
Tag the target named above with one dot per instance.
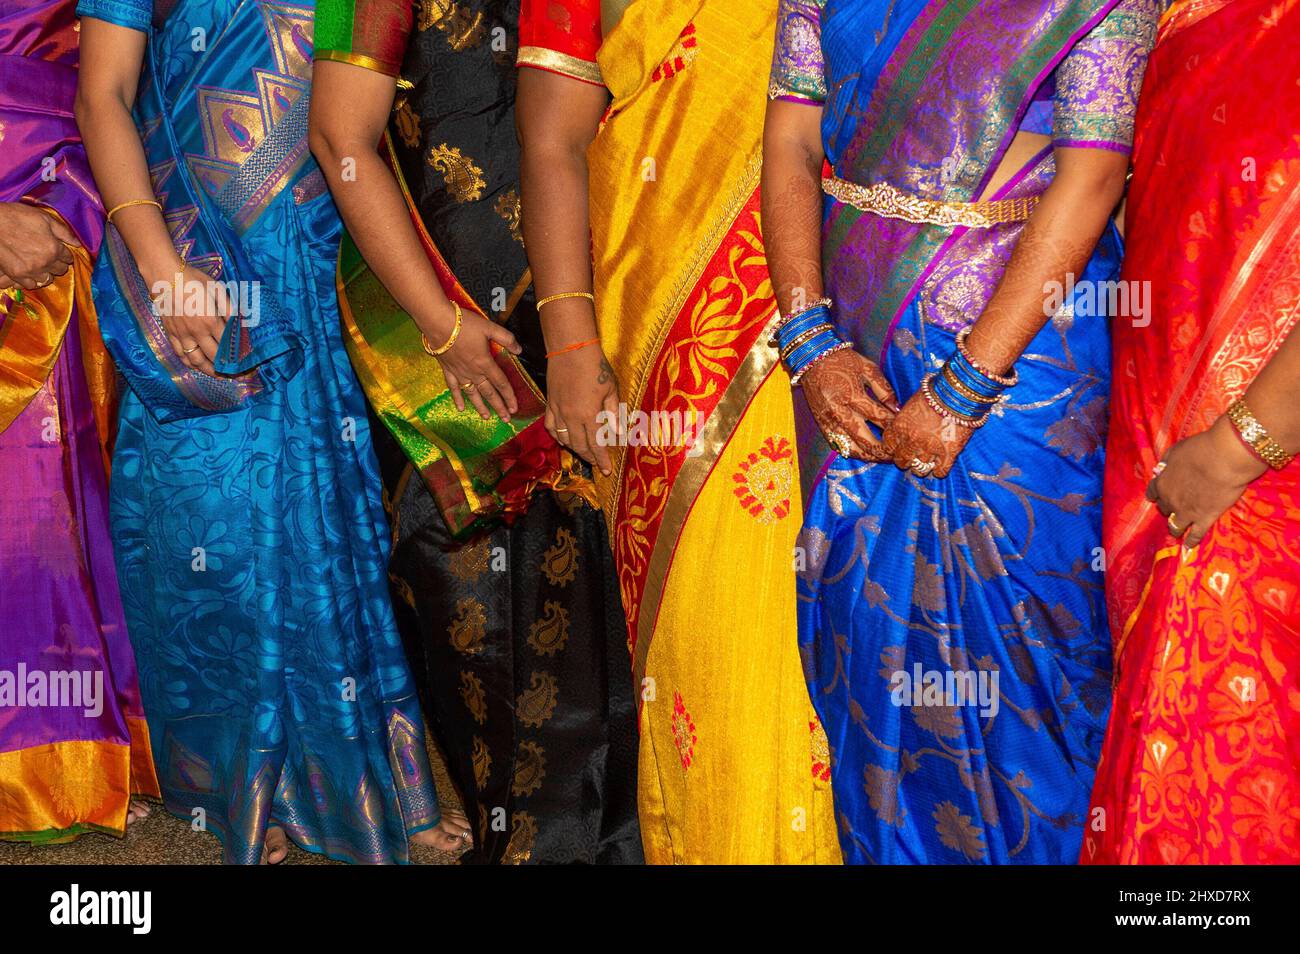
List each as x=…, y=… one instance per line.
x=455, y=333
x=805, y=337
x=1256, y=436
x=126, y=205
x=969, y=394
x=550, y=298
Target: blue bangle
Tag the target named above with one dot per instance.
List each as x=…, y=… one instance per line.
x=954, y=400
x=971, y=377
x=804, y=321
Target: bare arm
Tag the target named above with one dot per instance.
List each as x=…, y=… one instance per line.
x=557, y=119
x=111, y=57
x=845, y=390
x=1058, y=240
x=349, y=109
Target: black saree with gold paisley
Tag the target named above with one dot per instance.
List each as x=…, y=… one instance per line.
x=516, y=636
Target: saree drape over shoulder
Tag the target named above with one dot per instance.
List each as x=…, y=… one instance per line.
x=953, y=630
x=68, y=763
x=1201, y=763
x=246, y=509
x=516, y=635
x=733, y=765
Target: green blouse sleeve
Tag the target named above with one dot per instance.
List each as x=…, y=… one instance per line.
x=369, y=33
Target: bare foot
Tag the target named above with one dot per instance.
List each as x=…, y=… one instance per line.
x=276, y=846
x=450, y=834
x=136, y=811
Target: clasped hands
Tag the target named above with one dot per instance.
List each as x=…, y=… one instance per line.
x=848, y=392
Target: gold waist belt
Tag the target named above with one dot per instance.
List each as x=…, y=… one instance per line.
x=884, y=200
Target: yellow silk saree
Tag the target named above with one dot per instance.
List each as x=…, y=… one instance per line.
x=734, y=766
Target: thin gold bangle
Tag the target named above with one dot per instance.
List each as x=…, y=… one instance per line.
x=550, y=298
x=126, y=205
x=455, y=333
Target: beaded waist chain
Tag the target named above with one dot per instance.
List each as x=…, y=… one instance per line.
x=884, y=200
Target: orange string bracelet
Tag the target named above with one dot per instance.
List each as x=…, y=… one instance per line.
x=572, y=347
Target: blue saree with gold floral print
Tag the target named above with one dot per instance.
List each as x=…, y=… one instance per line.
x=246, y=508
x=953, y=631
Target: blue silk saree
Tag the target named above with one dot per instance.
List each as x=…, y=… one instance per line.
x=248, y=524
x=953, y=631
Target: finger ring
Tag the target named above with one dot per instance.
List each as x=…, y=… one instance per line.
x=840, y=443
x=921, y=467
x=188, y=350
x=561, y=430
x=45, y=281
x=1174, y=529
x=465, y=835
x=481, y=383
x=1157, y=470
x=467, y=387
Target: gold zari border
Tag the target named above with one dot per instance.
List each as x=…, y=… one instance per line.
x=561, y=63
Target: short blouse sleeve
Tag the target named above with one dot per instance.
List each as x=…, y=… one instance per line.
x=132, y=14
x=1098, y=82
x=561, y=36
x=798, y=72
x=369, y=33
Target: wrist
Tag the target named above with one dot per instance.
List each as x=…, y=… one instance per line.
x=1237, y=463
x=162, y=266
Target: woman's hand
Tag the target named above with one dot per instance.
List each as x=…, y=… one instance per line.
x=1200, y=478
x=194, y=310
x=920, y=434
x=469, y=367
x=845, y=391
x=579, y=385
x=33, y=246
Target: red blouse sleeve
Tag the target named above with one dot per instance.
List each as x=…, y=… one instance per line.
x=561, y=36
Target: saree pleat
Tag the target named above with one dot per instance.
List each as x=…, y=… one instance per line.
x=1201, y=763
x=65, y=768
x=247, y=514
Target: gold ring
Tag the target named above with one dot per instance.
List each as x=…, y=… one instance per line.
x=840, y=443
x=1158, y=470
x=1174, y=529
x=559, y=430
x=188, y=350
x=921, y=467
x=467, y=388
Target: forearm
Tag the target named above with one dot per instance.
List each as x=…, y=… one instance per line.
x=792, y=208
x=376, y=215
x=1056, y=244
x=553, y=183
x=122, y=174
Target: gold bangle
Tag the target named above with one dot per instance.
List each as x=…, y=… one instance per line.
x=1256, y=436
x=550, y=298
x=455, y=333
x=804, y=337
x=950, y=376
x=126, y=205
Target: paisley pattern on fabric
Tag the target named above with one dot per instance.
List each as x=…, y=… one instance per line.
x=1201, y=763
x=251, y=539
x=516, y=636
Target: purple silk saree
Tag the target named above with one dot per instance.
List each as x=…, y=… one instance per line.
x=73, y=741
x=953, y=631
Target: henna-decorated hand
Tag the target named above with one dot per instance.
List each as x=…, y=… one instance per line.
x=844, y=390
x=920, y=433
